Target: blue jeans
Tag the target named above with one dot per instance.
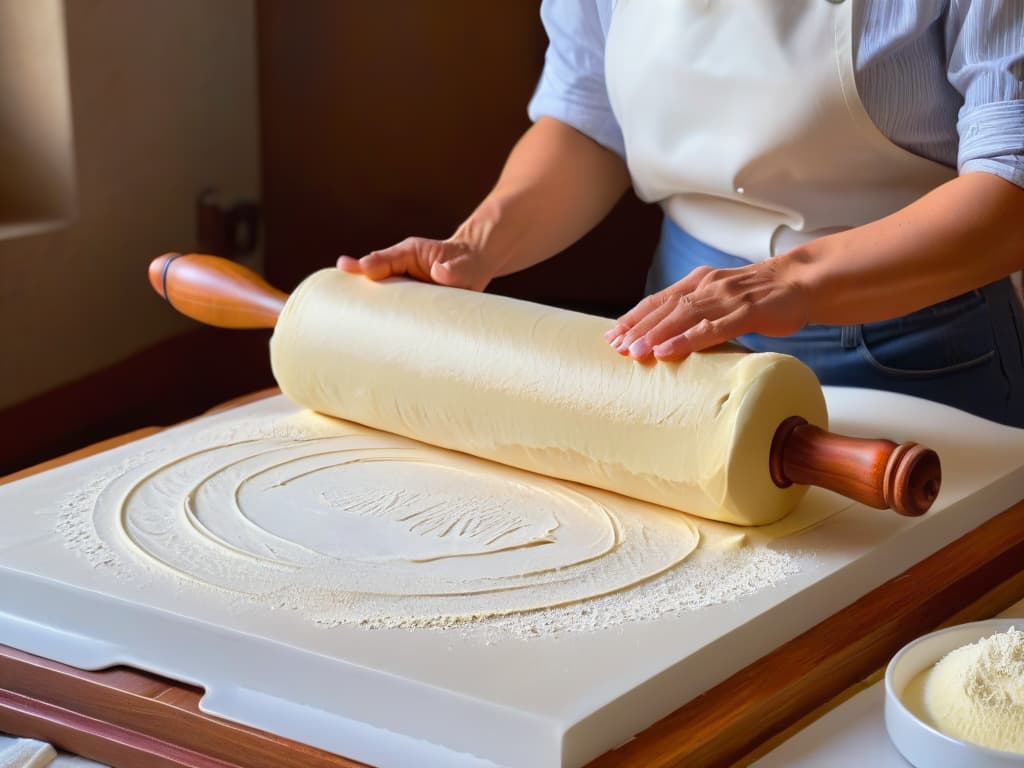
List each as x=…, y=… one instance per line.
x=967, y=352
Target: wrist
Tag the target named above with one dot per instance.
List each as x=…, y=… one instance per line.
x=805, y=269
x=482, y=233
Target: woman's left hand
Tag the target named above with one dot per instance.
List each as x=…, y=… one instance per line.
x=712, y=306
x=908, y=260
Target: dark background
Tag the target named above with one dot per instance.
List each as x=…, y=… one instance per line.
x=378, y=120
x=388, y=119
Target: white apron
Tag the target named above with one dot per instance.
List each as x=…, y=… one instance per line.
x=742, y=118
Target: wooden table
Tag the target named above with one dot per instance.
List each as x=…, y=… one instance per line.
x=134, y=719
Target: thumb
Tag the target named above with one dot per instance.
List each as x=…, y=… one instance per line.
x=459, y=271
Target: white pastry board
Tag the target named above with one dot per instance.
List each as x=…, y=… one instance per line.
x=399, y=697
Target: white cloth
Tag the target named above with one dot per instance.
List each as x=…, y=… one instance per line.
x=939, y=77
x=26, y=753
x=742, y=118
x=29, y=753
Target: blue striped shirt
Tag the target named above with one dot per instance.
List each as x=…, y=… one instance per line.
x=941, y=78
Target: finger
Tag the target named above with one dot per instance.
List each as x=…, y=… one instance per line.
x=674, y=349
x=444, y=273
x=401, y=259
x=680, y=320
x=348, y=264
x=613, y=339
x=614, y=332
x=643, y=315
x=641, y=310
x=634, y=342
x=682, y=312
x=460, y=271
x=704, y=335
x=380, y=265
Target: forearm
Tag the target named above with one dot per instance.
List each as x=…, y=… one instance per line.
x=557, y=184
x=965, y=234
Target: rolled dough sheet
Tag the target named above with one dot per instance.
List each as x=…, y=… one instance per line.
x=539, y=389
x=346, y=525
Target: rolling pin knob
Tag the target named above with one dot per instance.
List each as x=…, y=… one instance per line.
x=912, y=479
x=880, y=473
x=216, y=291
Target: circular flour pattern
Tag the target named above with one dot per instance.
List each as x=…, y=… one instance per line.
x=370, y=528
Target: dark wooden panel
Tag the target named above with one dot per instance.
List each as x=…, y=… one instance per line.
x=100, y=740
x=388, y=119
x=132, y=719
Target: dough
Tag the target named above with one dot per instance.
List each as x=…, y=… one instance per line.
x=538, y=388
x=361, y=527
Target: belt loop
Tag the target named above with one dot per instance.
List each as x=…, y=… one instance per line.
x=850, y=337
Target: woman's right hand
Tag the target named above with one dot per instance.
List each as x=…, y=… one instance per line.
x=452, y=262
x=557, y=184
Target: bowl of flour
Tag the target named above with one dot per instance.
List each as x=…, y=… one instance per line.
x=956, y=697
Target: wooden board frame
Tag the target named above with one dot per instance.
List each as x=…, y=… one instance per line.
x=124, y=717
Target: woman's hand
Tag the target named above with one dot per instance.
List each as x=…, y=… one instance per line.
x=453, y=263
x=712, y=306
x=557, y=184
x=960, y=236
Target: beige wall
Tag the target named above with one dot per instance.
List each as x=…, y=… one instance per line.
x=35, y=116
x=163, y=103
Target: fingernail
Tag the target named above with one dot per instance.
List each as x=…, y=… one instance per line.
x=665, y=350
x=640, y=348
x=622, y=347
x=612, y=333
x=616, y=341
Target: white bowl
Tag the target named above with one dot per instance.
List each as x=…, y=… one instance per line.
x=919, y=743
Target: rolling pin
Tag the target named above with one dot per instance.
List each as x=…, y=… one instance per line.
x=728, y=435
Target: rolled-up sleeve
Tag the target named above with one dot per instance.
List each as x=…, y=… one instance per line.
x=985, y=41
x=572, y=86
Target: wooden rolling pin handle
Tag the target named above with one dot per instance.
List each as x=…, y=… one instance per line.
x=216, y=291
x=878, y=473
